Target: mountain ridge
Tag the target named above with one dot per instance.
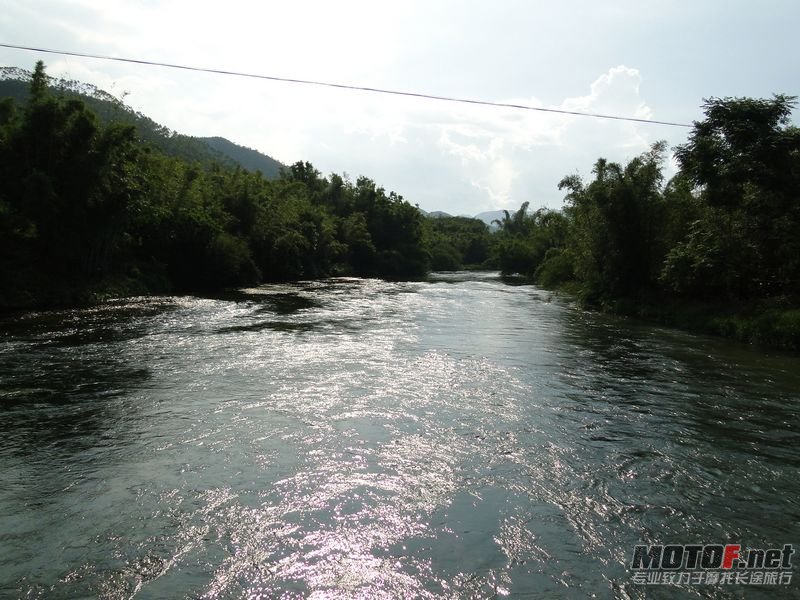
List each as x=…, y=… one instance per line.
x=14, y=82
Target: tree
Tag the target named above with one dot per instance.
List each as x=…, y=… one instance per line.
x=744, y=161
x=514, y=224
x=615, y=225
x=38, y=83
x=456, y=242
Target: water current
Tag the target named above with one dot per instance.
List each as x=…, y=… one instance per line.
x=460, y=437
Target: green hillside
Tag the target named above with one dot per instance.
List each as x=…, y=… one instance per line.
x=247, y=158
x=15, y=83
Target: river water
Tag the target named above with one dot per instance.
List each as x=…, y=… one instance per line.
x=458, y=437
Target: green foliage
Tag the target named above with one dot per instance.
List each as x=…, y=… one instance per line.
x=457, y=242
x=354, y=235
x=38, y=88
x=524, y=240
x=247, y=158
x=615, y=222
x=109, y=109
x=722, y=234
x=86, y=207
x=68, y=185
x=445, y=257
x=557, y=267
x=744, y=159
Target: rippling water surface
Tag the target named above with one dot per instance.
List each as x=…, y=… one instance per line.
x=459, y=437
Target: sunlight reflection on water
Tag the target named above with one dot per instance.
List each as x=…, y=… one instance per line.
x=358, y=438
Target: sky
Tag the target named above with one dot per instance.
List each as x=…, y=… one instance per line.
x=652, y=59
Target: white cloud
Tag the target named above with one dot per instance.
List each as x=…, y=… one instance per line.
x=457, y=158
x=512, y=156
x=614, y=92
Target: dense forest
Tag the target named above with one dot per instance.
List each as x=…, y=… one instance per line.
x=716, y=247
x=88, y=208
x=93, y=206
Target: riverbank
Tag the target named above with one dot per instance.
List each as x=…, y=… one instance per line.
x=767, y=324
x=771, y=323
x=37, y=293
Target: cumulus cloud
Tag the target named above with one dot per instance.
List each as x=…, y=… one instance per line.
x=513, y=156
x=614, y=92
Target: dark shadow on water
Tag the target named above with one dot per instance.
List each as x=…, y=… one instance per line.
x=514, y=280
x=698, y=389
x=70, y=402
x=469, y=276
x=114, y=321
x=95, y=335
x=57, y=428
x=287, y=304
x=67, y=377
x=282, y=303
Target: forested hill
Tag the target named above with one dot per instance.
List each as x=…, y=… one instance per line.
x=247, y=158
x=15, y=83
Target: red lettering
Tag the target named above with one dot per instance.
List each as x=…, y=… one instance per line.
x=731, y=554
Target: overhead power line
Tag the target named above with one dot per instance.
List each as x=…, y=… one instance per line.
x=344, y=86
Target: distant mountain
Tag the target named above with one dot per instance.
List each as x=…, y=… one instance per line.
x=438, y=214
x=14, y=82
x=489, y=216
x=247, y=158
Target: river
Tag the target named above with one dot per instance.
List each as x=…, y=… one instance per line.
x=457, y=437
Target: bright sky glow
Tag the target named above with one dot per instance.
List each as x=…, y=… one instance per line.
x=654, y=60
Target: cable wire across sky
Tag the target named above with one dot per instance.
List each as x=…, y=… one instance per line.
x=343, y=86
